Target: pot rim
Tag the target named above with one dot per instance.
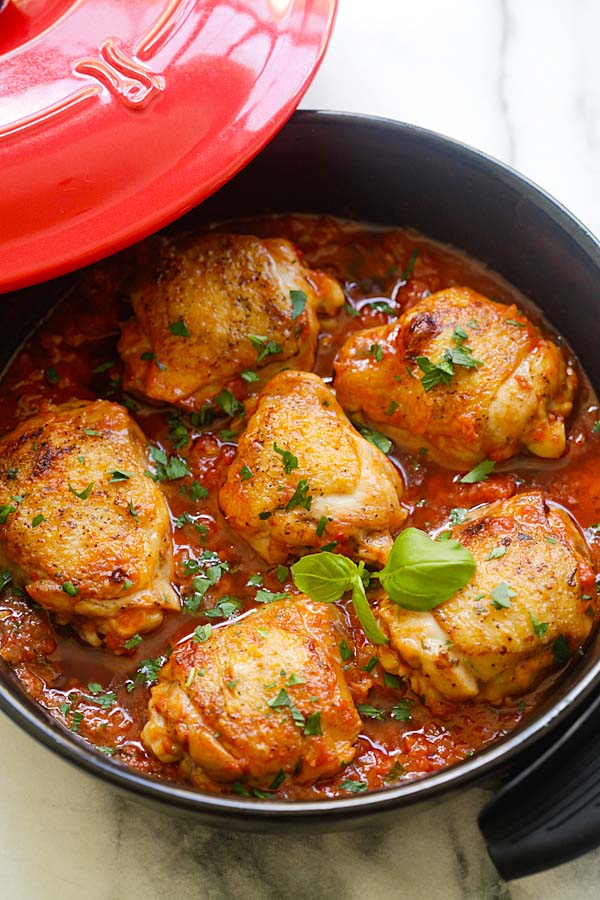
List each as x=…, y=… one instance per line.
x=31, y=717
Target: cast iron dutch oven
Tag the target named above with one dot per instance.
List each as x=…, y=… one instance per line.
x=548, y=809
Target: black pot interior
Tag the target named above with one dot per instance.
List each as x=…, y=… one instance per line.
x=391, y=174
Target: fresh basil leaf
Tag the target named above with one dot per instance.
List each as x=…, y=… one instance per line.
x=421, y=573
x=324, y=576
x=364, y=613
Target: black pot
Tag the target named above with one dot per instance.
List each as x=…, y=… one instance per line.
x=394, y=174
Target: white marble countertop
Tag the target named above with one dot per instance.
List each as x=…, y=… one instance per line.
x=518, y=79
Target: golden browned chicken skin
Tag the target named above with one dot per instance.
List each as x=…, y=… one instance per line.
x=261, y=696
x=516, y=391
x=210, y=308
x=531, y=603
x=304, y=477
x=84, y=530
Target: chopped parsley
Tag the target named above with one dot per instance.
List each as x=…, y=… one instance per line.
x=117, y=475
x=230, y=405
x=91, y=432
x=69, y=588
x=147, y=356
x=168, y=468
x=496, y=553
x=376, y=352
x=282, y=573
x=133, y=511
x=370, y=665
x=401, y=712
x=245, y=473
x=6, y=510
x=298, y=299
x=560, y=649
x=147, y=671
x=479, y=472
x=264, y=346
x=300, y=497
x=265, y=596
x=392, y=408
x=345, y=651
x=225, y=608
x=313, y=724
x=133, y=642
x=202, y=633
x=370, y=712
x=407, y=274
x=322, y=525
x=457, y=515
x=355, y=787
x=377, y=439
x=179, y=328
x=37, y=520
x=392, y=681
x=501, y=595
x=197, y=491
x=102, y=698
x=539, y=628
x=288, y=459
x=250, y=377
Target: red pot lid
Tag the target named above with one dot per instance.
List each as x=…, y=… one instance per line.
x=118, y=116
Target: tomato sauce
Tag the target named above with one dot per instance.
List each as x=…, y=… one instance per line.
x=73, y=354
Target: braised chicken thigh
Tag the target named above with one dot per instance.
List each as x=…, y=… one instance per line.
x=214, y=308
x=304, y=477
x=461, y=375
x=82, y=528
x=261, y=696
x=531, y=603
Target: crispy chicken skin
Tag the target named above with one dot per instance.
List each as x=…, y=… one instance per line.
x=218, y=709
x=333, y=485
x=519, y=396
x=197, y=300
x=471, y=647
x=103, y=560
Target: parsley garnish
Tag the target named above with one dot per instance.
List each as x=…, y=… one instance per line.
x=377, y=439
x=401, y=712
x=197, y=491
x=250, y=377
x=298, y=299
x=168, y=468
x=479, y=472
x=356, y=787
x=228, y=403
x=407, y=274
x=345, y=651
x=265, y=596
x=179, y=328
x=539, y=628
x=133, y=642
x=147, y=356
x=370, y=712
x=85, y=493
x=376, y=352
x=560, y=649
x=6, y=510
x=496, y=553
x=288, y=459
x=245, y=473
x=119, y=475
x=322, y=525
x=501, y=595
x=392, y=681
x=100, y=697
x=264, y=346
x=457, y=515
x=225, y=608
x=37, y=520
x=300, y=497
x=202, y=633
x=313, y=724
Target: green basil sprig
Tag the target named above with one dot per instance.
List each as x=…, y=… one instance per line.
x=327, y=576
x=419, y=574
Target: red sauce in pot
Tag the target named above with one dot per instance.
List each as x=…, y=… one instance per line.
x=73, y=354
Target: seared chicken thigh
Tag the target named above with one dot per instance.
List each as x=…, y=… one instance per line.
x=210, y=308
x=461, y=375
x=304, y=477
x=261, y=698
x=531, y=603
x=82, y=528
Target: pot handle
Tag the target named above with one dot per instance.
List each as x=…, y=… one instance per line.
x=550, y=812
